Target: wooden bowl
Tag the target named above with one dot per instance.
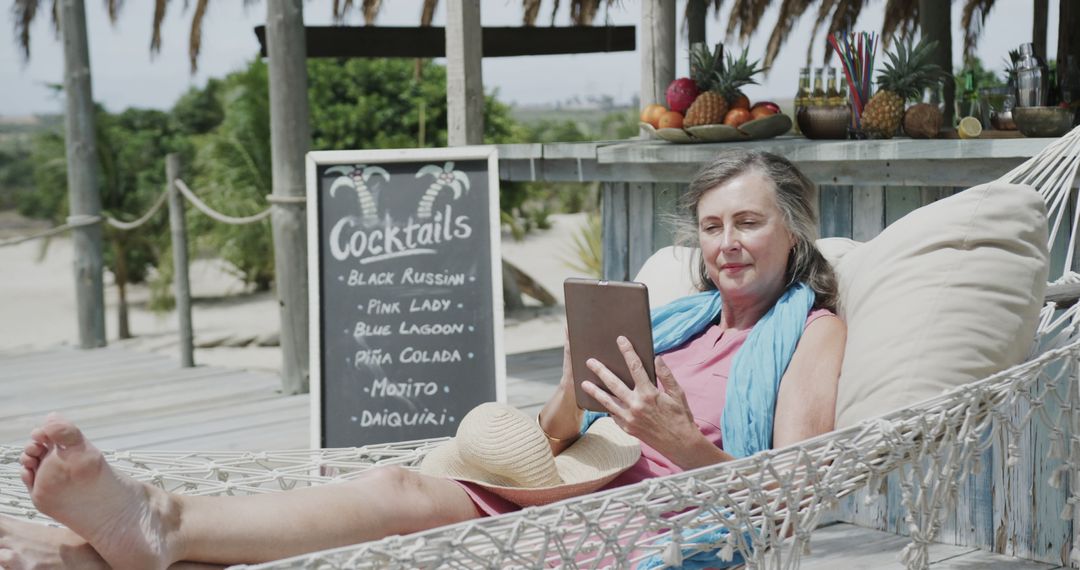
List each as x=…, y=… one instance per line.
x=1044, y=122
x=820, y=122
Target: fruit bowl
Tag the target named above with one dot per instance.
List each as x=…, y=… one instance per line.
x=757, y=129
x=1043, y=121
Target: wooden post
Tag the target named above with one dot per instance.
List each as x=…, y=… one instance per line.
x=935, y=21
x=695, y=21
x=1038, y=26
x=181, y=284
x=1068, y=23
x=657, y=49
x=290, y=138
x=464, y=81
x=82, y=173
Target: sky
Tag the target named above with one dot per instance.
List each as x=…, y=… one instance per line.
x=126, y=75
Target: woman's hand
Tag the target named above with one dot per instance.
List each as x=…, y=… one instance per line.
x=662, y=419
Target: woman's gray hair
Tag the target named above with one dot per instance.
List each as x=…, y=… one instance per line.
x=797, y=197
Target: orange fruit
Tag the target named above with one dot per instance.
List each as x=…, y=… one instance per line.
x=759, y=112
x=670, y=120
x=651, y=114
x=736, y=117
x=741, y=101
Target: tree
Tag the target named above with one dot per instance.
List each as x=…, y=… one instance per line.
x=232, y=174
x=355, y=104
x=16, y=173
x=131, y=154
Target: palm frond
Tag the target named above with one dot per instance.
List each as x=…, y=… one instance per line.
x=824, y=11
x=745, y=18
x=340, y=10
x=530, y=9
x=714, y=4
x=23, y=12
x=844, y=17
x=195, y=41
x=583, y=12
x=370, y=8
x=972, y=20
x=113, y=9
x=901, y=20
x=159, y=17
x=790, y=12
x=427, y=13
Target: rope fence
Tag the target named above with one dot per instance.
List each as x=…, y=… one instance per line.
x=178, y=232
x=84, y=220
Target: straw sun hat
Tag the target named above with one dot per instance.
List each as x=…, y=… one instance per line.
x=503, y=450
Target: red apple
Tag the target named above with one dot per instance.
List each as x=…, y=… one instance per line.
x=681, y=93
x=769, y=104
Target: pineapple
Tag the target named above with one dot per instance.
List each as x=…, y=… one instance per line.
x=719, y=83
x=906, y=74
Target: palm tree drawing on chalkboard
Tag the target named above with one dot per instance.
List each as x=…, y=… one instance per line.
x=357, y=177
x=445, y=177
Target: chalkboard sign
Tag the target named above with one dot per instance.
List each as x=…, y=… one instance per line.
x=405, y=290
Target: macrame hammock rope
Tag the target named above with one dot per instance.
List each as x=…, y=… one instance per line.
x=761, y=509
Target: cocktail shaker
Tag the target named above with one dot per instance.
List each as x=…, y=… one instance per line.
x=1032, y=79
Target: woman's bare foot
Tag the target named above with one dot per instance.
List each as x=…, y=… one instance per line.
x=26, y=546
x=130, y=524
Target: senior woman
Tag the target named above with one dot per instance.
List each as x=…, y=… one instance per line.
x=753, y=216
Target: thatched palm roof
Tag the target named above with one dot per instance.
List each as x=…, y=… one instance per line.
x=901, y=18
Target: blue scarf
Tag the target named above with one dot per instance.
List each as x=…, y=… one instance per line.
x=753, y=383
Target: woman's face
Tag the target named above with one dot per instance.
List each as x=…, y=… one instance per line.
x=744, y=239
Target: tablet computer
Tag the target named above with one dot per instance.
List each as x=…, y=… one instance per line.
x=597, y=313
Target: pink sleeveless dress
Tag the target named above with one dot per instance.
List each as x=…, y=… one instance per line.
x=701, y=367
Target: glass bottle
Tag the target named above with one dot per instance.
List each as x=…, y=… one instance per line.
x=817, y=96
x=832, y=94
x=802, y=96
x=974, y=105
x=967, y=103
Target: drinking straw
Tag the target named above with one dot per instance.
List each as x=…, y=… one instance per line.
x=856, y=53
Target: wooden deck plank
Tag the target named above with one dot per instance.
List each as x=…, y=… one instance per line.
x=532, y=377
x=62, y=392
x=43, y=402
x=280, y=425
x=162, y=425
x=137, y=400
x=851, y=547
x=43, y=363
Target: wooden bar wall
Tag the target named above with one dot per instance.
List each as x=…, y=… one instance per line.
x=1010, y=510
x=1006, y=509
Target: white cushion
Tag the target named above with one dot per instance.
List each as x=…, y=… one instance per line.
x=946, y=295
x=669, y=274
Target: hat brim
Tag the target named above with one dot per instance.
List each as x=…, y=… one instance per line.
x=595, y=459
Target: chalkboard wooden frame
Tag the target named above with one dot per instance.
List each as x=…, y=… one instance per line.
x=317, y=159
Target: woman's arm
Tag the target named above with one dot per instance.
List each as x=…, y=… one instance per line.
x=806, y=403
x=561, y=418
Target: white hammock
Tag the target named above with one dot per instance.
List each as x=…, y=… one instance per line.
x=932, y=446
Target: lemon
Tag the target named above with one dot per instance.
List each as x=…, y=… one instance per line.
x=970, y=128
